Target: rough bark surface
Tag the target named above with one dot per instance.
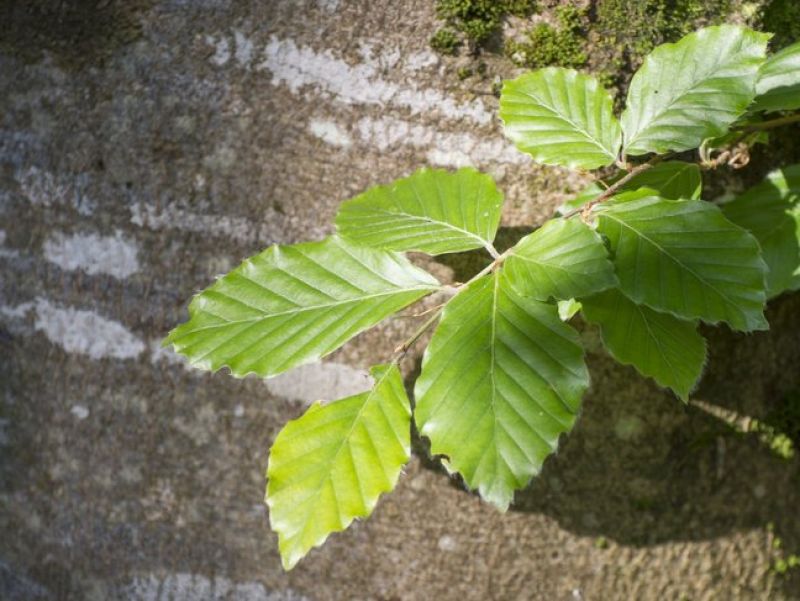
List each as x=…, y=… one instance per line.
x=147, y=146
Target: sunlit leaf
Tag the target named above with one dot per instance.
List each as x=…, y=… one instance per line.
x=778, y=85
x=291, y=305
x=501, y=380
x=431, y=211
x=563, y=259
x=561, y=117
x=692, y=90
x=330, y=466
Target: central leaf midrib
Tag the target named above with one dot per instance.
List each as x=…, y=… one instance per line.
x=430, y=220
x=566, y=119
x=294, y=311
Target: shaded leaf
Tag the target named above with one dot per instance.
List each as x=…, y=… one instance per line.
x=291, y=305
x=563, y=259
x=658, y=345
x=686, y=258
x=330, y=466
x=771, y=212
x=504, y=373
x=432, y=211
x=672, y=180
x=561, y=117
x=692, y=90
x=778, y=85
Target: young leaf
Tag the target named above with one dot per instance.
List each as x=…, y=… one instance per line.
x=330, y=466
x=291, y=305
x=561, y=117
x=771, y=212
x=692, y=90
x=432, y=211
x=672, y=179
x=685, y=258
x=501, y=379
x=658, y=345
x=563, y=259
x=778, y=85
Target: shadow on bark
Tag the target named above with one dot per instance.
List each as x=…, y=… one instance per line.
x=642, y=468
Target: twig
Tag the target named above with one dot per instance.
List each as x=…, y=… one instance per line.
x=614, y=188
x=403, y=349
x=771, y=124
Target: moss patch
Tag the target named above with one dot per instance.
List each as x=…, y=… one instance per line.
x=545, y=45
x=475, y=20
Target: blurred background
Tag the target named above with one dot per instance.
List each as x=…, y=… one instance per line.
x=147, y=146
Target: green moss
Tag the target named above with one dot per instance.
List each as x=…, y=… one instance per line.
x=545, y=45
x=445, y=41
x=782, y=17
x=464, y=73
x=476, y=20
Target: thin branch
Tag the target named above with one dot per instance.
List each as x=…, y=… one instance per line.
x=771, y=124
x=615, y=187
x=403, y=349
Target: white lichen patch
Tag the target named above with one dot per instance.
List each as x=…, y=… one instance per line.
x=245, y=231
x=189, y=587
x=86, y=332
x=320, y=381
x=244, y=48
x=330, y=132
x=45, y=189
x=298, y=67
x=329, y=6
x=115, y=255
x=442, y=148
x=222, y=51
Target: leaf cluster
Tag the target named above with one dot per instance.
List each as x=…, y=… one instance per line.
x=639, y=254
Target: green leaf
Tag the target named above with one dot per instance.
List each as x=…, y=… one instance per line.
x=501, y=380
x=561, y=117
x=568, y=308
x=778, y=85
x=563, y=259
x=771, y=212
x=685, y=258
x=291, y=305
x=330, y=466
x=671, y=179
x=692, y=90
x=432, y=211
x=658, y=345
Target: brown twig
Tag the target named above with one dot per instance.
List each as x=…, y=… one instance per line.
x=615, y=187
